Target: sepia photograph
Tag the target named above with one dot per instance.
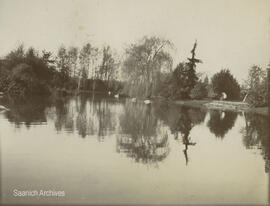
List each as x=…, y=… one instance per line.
x=134, y=102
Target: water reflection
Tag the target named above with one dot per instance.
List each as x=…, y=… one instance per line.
x=221, y=122
x=256, y=133
x=142, y=137
x=142, y=132
x=26, y=111
x=181, y=120
x=84, y=115
x=63, y=114
x=95, y=116
x=83, y=126
x=104, y=134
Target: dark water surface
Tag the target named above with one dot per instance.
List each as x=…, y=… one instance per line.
x=107, y=151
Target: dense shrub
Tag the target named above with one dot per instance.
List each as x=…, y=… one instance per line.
x=224, y=81
x=25, y=72
x=211, y=94
x=180, y=83
x=198, y=92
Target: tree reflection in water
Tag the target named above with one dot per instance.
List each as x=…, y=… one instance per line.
x=101, y=119
x=221, y=122
x=89, y=115
x=142, y=130
x=106, y=118
x=63, y=114
x=181, y=120
x=142, y=138
x=26, y=110
x=256, y=133
x=81, y=120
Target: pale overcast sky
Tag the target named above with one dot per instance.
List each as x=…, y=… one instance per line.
x=231, y=34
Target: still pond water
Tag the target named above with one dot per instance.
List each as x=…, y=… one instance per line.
x=107, y=151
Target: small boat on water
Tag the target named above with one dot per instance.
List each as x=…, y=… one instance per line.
x=147, y=101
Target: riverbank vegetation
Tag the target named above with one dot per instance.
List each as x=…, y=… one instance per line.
x=145, y=71
x=27, y=71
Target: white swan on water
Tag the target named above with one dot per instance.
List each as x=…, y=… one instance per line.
x=147, y=101
x=116, y=96
x=222, y=115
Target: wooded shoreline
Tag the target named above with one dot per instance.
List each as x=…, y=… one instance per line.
x=145, y=72
x=204, y=104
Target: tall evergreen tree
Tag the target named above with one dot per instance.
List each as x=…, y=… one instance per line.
x=224, y=81
x=184, y=77
x=191, y=73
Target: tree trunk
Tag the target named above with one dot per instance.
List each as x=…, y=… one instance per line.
x=79, y=82
x=245, y=97
x=94, y=85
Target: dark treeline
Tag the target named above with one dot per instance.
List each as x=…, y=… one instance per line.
x=145, y=71
x=27, y=71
